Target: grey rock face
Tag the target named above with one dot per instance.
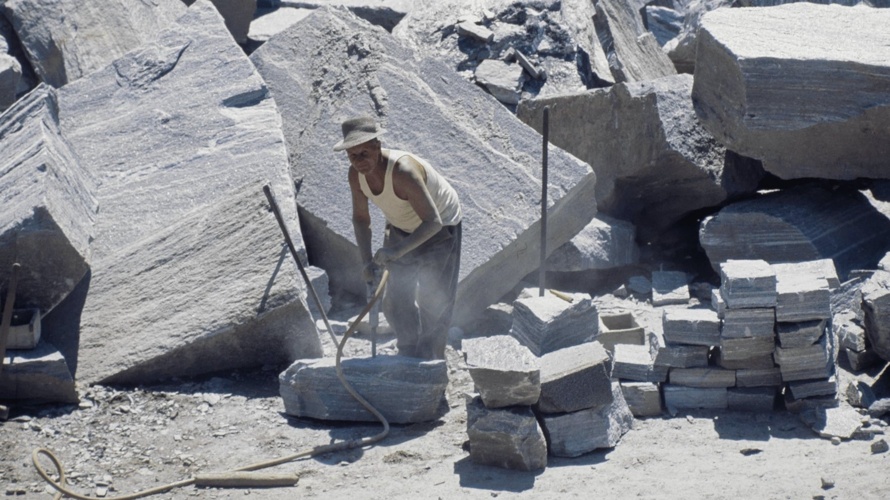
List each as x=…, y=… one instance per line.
x=49, y=204
x=575, y=378
x=349, y=68
x=669, y=287
x=37, y=376
x=681, y=49
x=559, y=36
x=68, y=39
x=510, y=438
x=10, y=76
x=238, y=15
x=799, y=224
x=574, y=434
x=404, y=390
x=747, y=283
x=654, y=161
x=181, y=174
x=546, y=324
x=691, y=326
x=643, y=398
x=504, y=371
x=876, y=305
x=678, y=397
x=633, y=53
x=805, y=98
x=605, y=243
x=702, y=377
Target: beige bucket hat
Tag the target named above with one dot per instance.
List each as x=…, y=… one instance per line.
x=357, y=131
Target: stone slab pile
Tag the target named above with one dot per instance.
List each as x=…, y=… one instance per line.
x=403, y=389
x=188, y=262
x=804, y=88
x=501, y=424
x=655, y=163
x=803, y=223
x=331, y=66
x=548, y=323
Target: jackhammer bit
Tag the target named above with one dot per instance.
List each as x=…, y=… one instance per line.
x=374, y=313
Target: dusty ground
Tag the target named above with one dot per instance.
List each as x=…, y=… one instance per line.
x=122, y=440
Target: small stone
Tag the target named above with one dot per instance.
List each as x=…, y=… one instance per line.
x=827, y=483
x=880, y=446
x=835, y=440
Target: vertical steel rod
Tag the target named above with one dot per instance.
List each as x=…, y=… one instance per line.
x=546, y=133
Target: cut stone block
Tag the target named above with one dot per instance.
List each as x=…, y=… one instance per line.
x=757, y=399
x=862, y=360
x=503, y=80
x=747, y=284
x=749, y=322
x=682, y=356
x=575, y=378
x=404, y=390
x=876, y=306
x=632, y=51
x=510, y=438
x=819, y=268
x=24, y=329
x=549, y=323
x=798, y=406
x=850, y=334
x=801, y=223
x=801, y=296
x=635, y=362
x=761, y=361
x=747, y=348
x=68, y=39
x=49, y=204
x=37, y=375
x=653, y=160
x=802, y=334
x=804, y=363
x=702, y=377
x=619, y=328
x=813, y=388
x=664, y=23
x=643, y=398
x=691, y=327
x=678, y=397
x=605, y=243
x=717, y=303
x=504, y=371
x=758, y=377
x=807, y=103
x=331, y=66
x=574, y=434
x=669, y=287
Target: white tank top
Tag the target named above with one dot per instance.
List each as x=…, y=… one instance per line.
x=399, y=212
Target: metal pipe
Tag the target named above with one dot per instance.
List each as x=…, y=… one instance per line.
x=543, y=269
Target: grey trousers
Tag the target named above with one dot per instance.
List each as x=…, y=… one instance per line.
x=421, y=290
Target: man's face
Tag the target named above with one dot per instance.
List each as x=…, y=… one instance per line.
x=365, y=156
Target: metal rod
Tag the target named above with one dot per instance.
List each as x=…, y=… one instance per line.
x=293, y=252
x=7, y=312
x=543, y=269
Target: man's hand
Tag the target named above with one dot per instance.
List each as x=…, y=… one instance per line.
x=369, y=273
x=384, y=256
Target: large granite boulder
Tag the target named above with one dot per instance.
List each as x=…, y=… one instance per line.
x=190, y=274
x=633, y=52
x=799, y=224
x=558, y=37
x=238, y=15
x=805, y=88
x=49, y=207
x=653, y=160
x=37, y=375
x=68, y=39
x=605, y=243
x=331, y=66
x=876, y=306
x=576, y=433
x=404, y=390
x=510, y=438
x=681, y=49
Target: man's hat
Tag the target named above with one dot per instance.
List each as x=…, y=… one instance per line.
x=357, y=131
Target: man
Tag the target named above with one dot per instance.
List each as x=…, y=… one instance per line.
x=421, y=248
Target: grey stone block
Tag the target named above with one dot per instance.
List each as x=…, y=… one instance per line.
x=504, y=371
x=749, y=283
x=862, y=360
x=682, y=356
x=801, y=296
x=38, y=375
x=549, y=323
x=575, y=378
x=635, y=362
x=632, y=51
x=801, y=389
x=804, y=363
x=669, y=287
x=761, y=361
x=758, y=377
x=509, y=438
x=680, y=397
x=404, y=390
x=746, y=348
x=702, y=377
x=574, y=434
x=502, y=79
x=605, y=243
x=691, y=327
x=876, y=305
x=748, y=323
x=800, y=334
x=643, y=398
x=757, y=399
x=818, y=268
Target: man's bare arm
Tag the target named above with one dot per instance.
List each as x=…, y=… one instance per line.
x=361, y=218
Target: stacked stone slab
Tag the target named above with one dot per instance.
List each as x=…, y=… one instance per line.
x=580, y=408
x=876, y=306
x=501, y=425
x=548, y=323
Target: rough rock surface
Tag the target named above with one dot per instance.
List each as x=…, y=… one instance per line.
x=68, y=39
x=189, y=265
x=37, y=376
x=546, y=324
x=575, y=378
x=799, y=224
x=605, y=243
x=876, y=305
x=633, y=53
x=510, y=438
x=792, y=86
x=557, y=35
x=49, y=204
x=492, y=160
x=654, y=161
x=504, y=371
x=238, y=15
x=574, y=434
x=404, y=390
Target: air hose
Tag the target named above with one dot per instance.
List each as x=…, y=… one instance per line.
x=242, y=477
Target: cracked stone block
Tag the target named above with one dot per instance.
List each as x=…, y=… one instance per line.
x=509, y=438
x=575, y=378
x=504, y=371
x=576, y=433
